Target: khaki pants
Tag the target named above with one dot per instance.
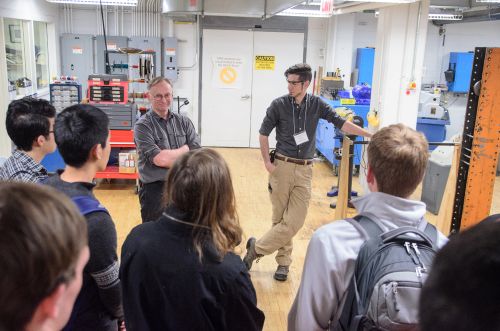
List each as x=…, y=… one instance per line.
x=290, y=192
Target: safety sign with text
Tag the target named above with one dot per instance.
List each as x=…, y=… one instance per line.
x=265, y=62
x=227, y=71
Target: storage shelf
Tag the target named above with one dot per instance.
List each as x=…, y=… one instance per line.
x=111, y=172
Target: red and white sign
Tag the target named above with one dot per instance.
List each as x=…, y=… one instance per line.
x=326, y=6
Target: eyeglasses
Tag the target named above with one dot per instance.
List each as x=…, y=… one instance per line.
x=159, y=97
x=294, y=82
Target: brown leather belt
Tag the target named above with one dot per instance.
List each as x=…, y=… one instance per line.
x=292, y=160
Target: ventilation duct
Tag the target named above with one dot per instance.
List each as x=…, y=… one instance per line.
x=182, y=7
x=239, y=8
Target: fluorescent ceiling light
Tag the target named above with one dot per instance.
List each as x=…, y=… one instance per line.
x=305, y=9
x=446, y=17
x=489, y=1
x=97, y=2
x=303, y=13
x=384, y=1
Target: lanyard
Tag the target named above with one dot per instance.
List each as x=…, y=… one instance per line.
x=305, y=114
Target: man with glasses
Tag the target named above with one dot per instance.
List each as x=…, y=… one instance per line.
x=161, y=136
x=295, y=117
x=30, y=125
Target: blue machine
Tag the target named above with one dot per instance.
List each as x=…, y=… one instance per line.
x=53, y=162
x=365, y=58
x=459, y=72
x=327, y=140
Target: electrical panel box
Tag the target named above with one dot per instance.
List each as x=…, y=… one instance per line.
x=365, y=58
x=77, y=57
x=114, y=43
x=170, y=58
x=459, y=72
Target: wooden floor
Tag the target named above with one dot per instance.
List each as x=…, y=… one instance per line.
x=254, y=208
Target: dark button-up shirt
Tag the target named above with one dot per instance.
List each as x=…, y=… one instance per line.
x=152, y=134
x=289, y=118
x=21, y=167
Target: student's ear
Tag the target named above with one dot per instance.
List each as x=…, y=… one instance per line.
x=97, y=152
x=306, y=84
x=371, y=180
x=39, y=141
x=50, y=306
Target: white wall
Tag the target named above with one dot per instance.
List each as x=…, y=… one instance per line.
x=35, y=10
x=316, y=43
x=459, y=37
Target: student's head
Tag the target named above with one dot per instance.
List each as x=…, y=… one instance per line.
x=160, y=95
x=82, y=136
x=462, y=292
x=298, y=78
x=43, y=251
x=397, y=158
x=30, y=124
x=199, y=184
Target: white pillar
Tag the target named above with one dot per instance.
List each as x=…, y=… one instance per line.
x=5, y=144
x=399, y=55
x=340, y=38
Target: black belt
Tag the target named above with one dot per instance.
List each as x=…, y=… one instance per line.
x=292, y=160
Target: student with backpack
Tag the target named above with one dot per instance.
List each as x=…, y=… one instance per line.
x=82, y=136
x=394, y=243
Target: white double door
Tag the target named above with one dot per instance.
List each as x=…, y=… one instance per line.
x=232, y=115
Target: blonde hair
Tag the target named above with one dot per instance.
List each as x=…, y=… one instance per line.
x=398, y=157
x=199, y=184
x=158, y=80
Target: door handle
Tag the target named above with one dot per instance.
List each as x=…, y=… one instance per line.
x=245, y=97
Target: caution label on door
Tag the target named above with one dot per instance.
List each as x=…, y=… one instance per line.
x=265, y=62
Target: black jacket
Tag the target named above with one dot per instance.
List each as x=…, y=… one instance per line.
x=166, y=287
x=98, y=305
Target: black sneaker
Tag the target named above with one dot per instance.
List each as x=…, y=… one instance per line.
x=281, y=273
x=251, y=254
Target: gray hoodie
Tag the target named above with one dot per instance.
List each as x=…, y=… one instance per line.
x=331, y=256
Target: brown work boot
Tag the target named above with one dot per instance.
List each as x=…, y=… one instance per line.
x=251, y=254
x=281, y=273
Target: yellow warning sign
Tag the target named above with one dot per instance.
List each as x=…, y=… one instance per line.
x=265, y=62
x=228, y=75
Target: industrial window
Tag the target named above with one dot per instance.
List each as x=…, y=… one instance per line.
x=27, y=56
x=41, y=54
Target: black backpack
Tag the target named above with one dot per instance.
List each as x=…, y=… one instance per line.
x=391, y=267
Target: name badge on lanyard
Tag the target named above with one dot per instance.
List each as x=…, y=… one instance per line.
x=300, y=138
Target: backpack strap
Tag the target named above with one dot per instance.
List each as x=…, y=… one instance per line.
x=389, y=235
x=431, y=231
x=365, y=226
x=88, y=204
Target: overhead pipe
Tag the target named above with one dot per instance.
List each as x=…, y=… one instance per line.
x=71, y=18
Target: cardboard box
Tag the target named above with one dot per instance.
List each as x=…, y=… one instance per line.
x=127, y=162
